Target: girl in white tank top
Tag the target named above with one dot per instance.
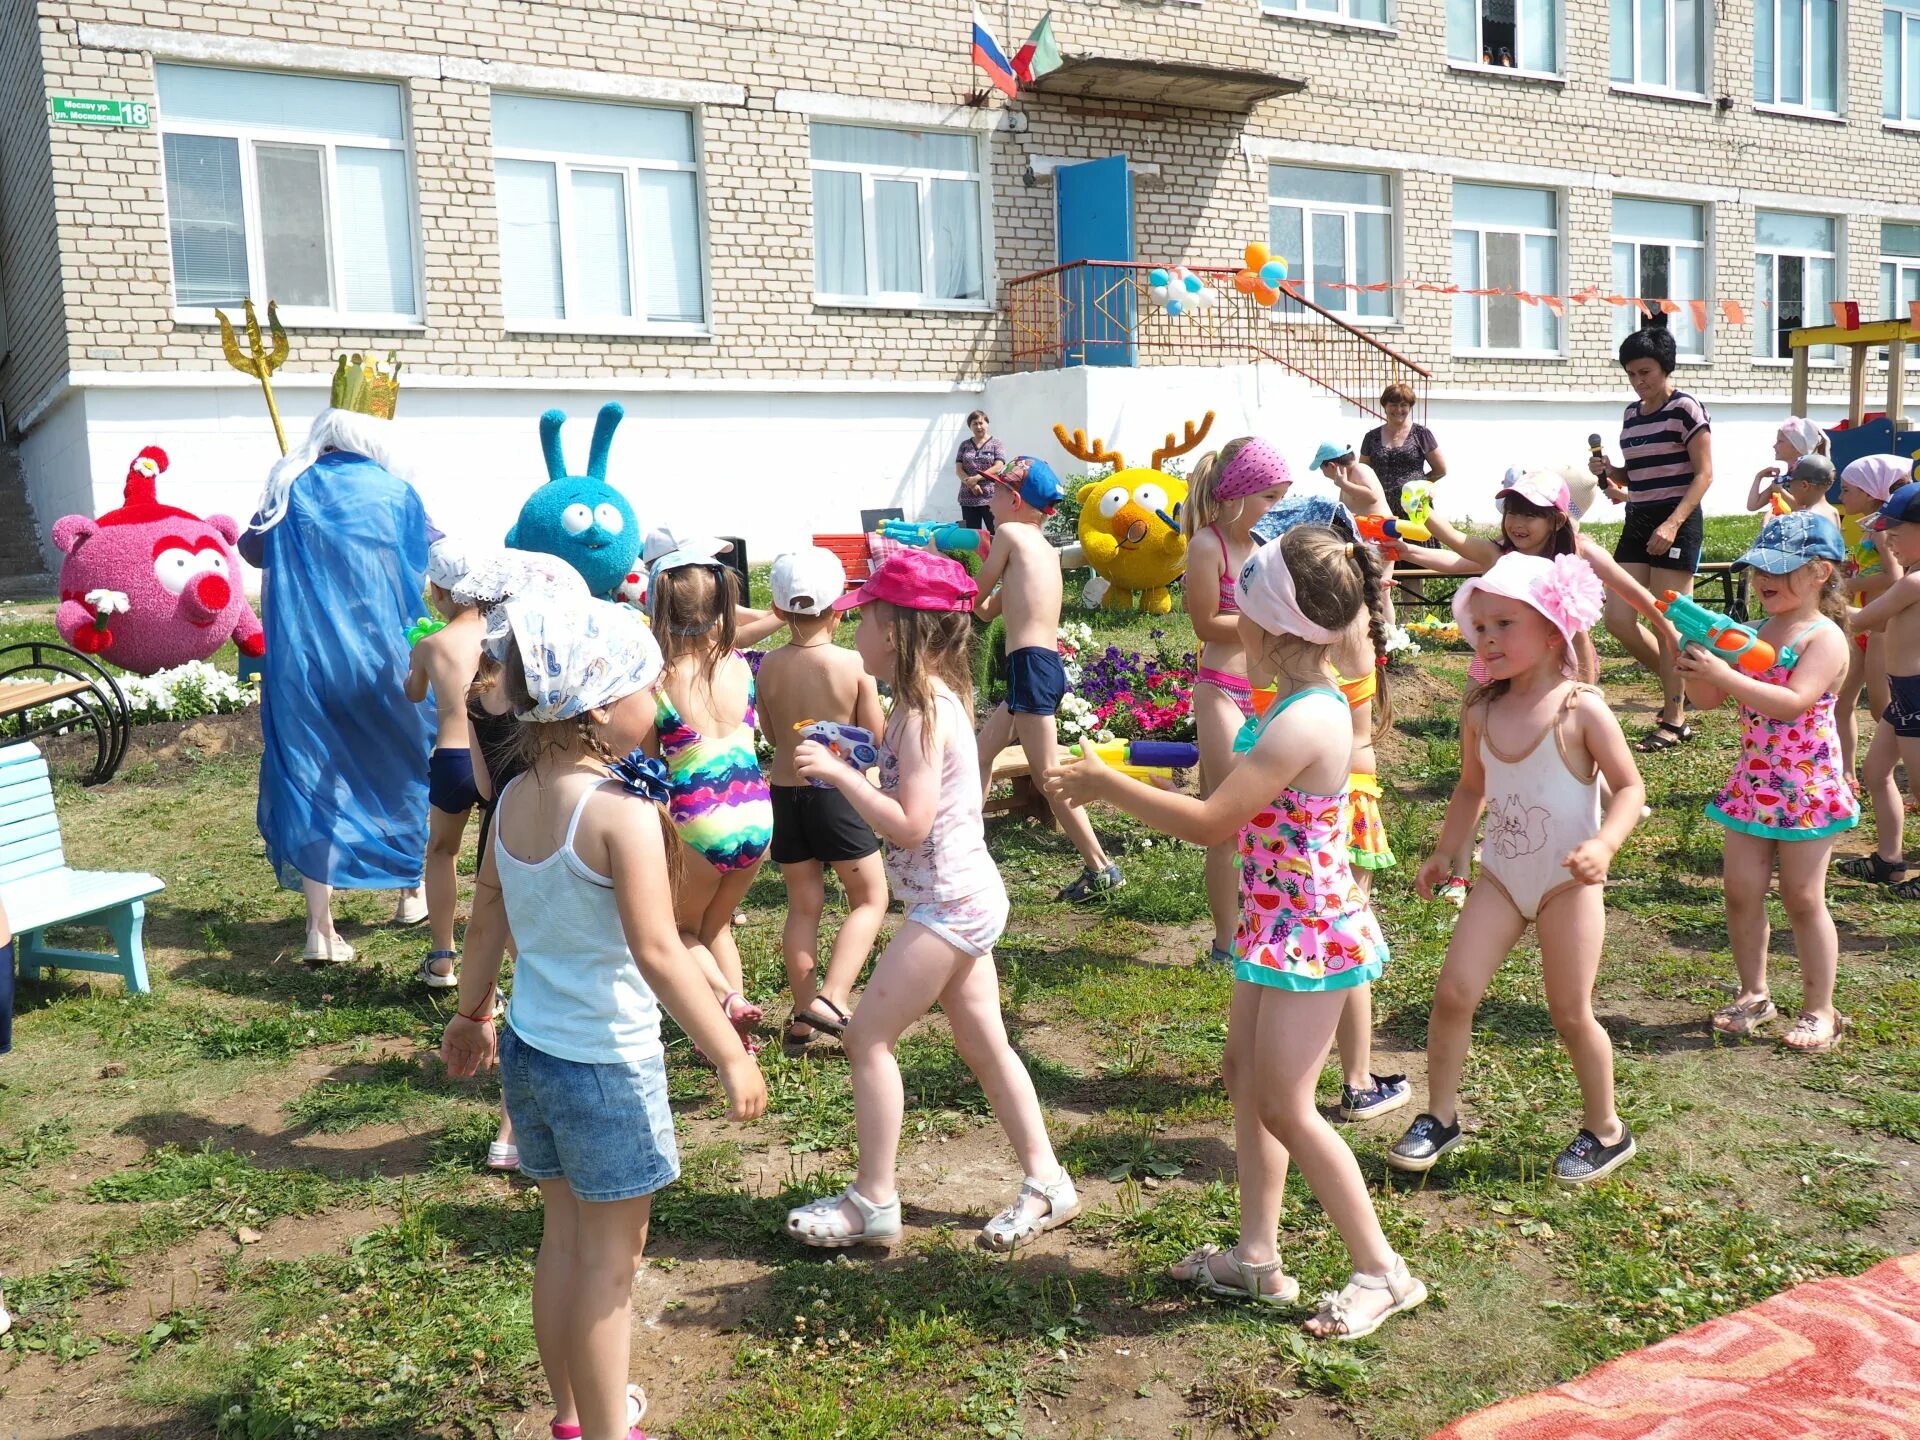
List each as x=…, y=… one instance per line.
x=1534, y=748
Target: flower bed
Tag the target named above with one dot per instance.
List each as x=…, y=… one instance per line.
x=185, y=692
x=1125, y=694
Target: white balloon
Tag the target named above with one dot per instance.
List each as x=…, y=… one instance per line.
x=1159, y=293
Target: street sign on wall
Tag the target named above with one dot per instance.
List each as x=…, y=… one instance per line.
x=90, y=110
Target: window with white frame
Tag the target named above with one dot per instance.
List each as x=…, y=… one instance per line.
x=1505, y=239
x=1660, y=45
x=1507, y=34
x=1899, y=276
x=599, y=215
x=1900, y=61
x=1660, y=253
x=291, y=188
x=1796, y=54
x=1794, y=261
x=1334, y=228
x=1365, y=12
x=897, y=216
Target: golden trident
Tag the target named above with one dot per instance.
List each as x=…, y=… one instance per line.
x=259, y=361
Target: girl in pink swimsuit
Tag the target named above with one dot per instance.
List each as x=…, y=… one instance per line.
x=1534, y=744
x=1306, y=935
x=1788, y=798
x=1231, y=488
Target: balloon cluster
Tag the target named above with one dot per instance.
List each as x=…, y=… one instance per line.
x=1263, y=273
x=1179, y=290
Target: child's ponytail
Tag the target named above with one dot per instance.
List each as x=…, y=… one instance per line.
x=1201, y=509
x=1373, y=583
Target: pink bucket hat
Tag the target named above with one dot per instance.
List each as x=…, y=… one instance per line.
x=1255, y=466
x=1564, y=589
x=915, y=580
x=1538, y=487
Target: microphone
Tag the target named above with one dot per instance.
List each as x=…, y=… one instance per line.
x=1594, y=446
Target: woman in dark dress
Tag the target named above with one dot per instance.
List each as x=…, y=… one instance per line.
x=981, y=461
x=1400, y=451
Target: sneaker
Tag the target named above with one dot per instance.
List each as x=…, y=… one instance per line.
x=1092, y=883
x=1425, y=1142
x=1386, y=1093
x=1587, y=1160
x=327, y=950
x=411, y=909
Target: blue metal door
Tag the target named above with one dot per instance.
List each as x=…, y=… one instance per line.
x=1093, y=221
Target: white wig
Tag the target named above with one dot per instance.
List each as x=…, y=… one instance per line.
x=347, y=430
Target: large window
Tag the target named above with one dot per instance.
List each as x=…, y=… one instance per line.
x=1508, y=240
x=1661, y=45
x=1366, y=12
x=1660, y=253
x=1796, y=54
x=1900, y=61
x=599, y=215
x=1508, y=34
x=1334, y=228
x=897, y=216
x=289, y=188
x=1899, y=276
x=1794, y=258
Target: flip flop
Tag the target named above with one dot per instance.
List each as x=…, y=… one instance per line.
x=741, y=1012
x=835, y=1024
x=793, y=1045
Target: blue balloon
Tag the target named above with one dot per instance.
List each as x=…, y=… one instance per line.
x=1195, y=284
x=1158, y=277
x=1273, y=272
x=1174, y=307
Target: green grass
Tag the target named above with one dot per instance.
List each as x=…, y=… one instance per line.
x=248, y=1090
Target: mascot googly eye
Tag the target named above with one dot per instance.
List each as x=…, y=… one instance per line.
x=1111, y=502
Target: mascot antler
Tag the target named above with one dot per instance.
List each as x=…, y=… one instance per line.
x=1095, y=454
x=1180, y=447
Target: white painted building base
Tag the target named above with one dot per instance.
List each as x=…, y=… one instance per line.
x=776, y=464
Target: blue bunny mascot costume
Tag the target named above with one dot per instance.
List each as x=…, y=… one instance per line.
x=581, y=519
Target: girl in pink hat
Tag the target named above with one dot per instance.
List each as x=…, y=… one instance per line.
x=1536, y=518
x=1534, y=745
x=1231, y=488
x=915, y=637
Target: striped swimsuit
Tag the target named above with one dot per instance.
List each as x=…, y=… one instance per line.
x=718, y=796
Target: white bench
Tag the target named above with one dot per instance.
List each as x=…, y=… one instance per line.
x=39, y=888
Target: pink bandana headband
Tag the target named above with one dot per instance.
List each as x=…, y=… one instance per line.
x=1266, y=596
x=1255, y=466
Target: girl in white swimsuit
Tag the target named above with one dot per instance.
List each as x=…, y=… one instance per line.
x=1534, y=747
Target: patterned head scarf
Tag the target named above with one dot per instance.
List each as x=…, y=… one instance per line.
x=581, y=654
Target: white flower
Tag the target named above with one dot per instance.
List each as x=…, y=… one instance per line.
x=107, y=602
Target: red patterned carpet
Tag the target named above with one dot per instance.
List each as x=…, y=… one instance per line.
x=1829, y=1360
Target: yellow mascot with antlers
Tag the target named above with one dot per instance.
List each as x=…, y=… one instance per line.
x=1130, y=523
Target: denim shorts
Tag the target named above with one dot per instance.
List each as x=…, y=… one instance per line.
x=605, y=1129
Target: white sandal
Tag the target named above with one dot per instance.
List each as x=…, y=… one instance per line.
x=1407, y=1291
x=1251, y=1276
x=1013, y=1226
x=822, y=1225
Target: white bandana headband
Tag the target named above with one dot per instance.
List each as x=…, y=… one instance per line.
x=1801, y=433
x=1266, y=596
x=580, y=655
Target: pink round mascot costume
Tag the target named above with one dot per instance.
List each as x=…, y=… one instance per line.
x=150, y=586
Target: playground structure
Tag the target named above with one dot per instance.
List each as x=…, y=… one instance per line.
x=1896, y=335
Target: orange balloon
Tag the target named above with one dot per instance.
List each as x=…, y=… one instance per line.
x=1266, y=295
x=1245, y=281
x=1256, y=255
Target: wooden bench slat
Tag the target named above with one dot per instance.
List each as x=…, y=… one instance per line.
x=16, y=696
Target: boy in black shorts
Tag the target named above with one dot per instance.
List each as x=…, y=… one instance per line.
x=808, y=679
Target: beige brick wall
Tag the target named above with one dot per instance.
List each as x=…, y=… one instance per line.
x=1366, y=90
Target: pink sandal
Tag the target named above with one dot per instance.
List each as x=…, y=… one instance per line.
x=741, y=1012
x=636, y=1412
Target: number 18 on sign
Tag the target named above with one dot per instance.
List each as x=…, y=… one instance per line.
x=86, y=110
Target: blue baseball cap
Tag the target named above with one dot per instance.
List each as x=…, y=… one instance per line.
x=1301, y=510
x=1033, y=481
x=1329, y=451
x=1789, y=541
x=1902, y=507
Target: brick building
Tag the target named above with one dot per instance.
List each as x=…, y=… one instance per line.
x=782, y=236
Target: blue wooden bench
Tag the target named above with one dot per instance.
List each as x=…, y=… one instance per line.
x=39, y=888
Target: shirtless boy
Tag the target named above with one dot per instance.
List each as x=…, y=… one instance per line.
x=1896, y=612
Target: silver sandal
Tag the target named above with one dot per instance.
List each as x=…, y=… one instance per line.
x=1407, y=1291
x=821, y=1225
x=1014, y=1227
x=1249, y=1288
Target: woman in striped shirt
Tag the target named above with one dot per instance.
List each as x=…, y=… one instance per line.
x=1667, y=443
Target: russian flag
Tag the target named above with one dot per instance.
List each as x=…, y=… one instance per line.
x=988, y=55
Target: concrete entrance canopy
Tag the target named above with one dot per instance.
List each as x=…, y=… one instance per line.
x=1158, y=82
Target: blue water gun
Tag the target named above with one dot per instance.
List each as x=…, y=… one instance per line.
x=1143, y=759
x=919, y=532
x=849, y=743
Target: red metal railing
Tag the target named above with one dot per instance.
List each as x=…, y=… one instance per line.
x=1097, y=312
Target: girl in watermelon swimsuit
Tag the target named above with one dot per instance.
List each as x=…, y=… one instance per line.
x=1306, y=935
x=1788, y=797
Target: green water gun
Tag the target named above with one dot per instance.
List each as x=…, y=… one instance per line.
x=423, y=627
